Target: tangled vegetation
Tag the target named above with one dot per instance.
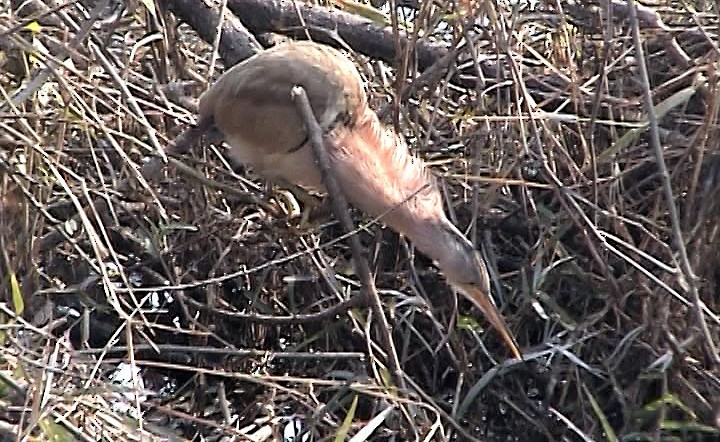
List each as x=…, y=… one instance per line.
x=193, y=304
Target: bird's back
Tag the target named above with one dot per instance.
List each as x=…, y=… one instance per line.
x=252, y=106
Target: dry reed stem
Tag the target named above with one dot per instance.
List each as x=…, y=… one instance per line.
x=536, y=123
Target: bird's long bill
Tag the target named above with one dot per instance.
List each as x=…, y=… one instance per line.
x=483, y=302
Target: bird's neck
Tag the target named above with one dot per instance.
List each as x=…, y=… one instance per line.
x=398, y=178
x=382, y=178
x=368, y=127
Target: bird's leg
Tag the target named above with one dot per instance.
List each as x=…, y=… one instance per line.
x=292, y=200
x=282, y=195
x=313, y=215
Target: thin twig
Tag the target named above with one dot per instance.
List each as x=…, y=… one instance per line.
x=239, y=352
x=257, y=318
x=218, y=35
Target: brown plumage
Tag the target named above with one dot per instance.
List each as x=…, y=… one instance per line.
x=251, y=104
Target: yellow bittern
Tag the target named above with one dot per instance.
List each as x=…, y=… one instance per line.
x=252, y=106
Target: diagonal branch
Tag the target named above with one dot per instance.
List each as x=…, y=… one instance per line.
x=340, y=208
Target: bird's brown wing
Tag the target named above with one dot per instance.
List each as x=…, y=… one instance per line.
x=252, y=106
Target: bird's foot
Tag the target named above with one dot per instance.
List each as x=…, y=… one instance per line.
x=304, y=211
x=312, y=217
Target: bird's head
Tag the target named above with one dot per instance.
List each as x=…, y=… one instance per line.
x=466, y=272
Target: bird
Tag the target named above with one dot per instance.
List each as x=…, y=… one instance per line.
x=252, y=106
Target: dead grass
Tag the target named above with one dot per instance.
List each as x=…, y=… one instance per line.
x=549, y=163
